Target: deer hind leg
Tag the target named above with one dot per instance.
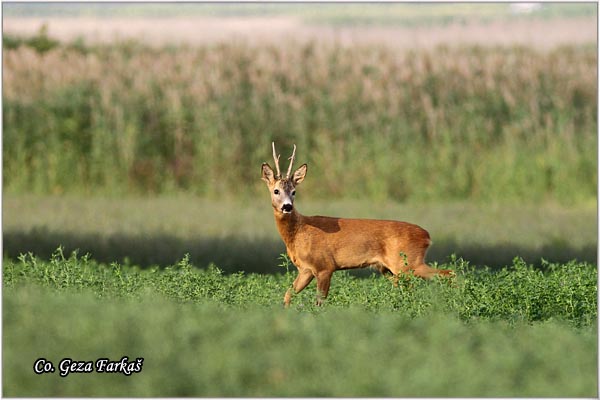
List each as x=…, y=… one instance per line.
x=386, y=272
x=404, y=262
x=304, y=277
x=415, y=262
x=424, y=271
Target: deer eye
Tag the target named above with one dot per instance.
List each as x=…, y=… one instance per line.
x=293, y=192
x=276, y=191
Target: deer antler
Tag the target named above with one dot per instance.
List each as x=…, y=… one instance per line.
x=276, y=158
x=291, y=162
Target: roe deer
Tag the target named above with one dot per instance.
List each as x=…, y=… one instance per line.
x=318, y=245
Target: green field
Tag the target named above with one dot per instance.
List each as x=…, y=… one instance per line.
x=515, y=332
x=241, y=235
x=483, y=124
x=135, y=223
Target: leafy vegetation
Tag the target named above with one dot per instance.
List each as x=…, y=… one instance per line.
x=474, y=131
x=241, y=235
x=203, y=350
x=450, y=123
x=518, y=332
x=519, y=292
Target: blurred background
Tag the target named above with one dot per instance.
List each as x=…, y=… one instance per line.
x=135, y=132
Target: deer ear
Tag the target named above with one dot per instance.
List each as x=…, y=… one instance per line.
x=267, y=174
x=299, y=174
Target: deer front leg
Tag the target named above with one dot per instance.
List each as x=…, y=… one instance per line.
x=304, y=277
x=323, y=281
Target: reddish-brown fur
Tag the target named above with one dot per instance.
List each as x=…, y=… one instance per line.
x=318, y=245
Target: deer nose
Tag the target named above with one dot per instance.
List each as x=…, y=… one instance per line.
x=287, y=207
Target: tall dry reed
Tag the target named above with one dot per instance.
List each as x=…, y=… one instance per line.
x=451, y=123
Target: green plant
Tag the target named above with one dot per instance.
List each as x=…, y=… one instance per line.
x=485, y=124
x=518, y=292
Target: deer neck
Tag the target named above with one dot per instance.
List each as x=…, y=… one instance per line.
x=288, y=225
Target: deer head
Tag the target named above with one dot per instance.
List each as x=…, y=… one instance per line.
x=283, y=189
